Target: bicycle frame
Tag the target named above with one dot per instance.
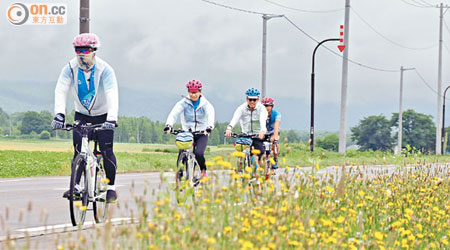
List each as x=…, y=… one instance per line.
x=251, y=159
x=91, y=166
x=191, y=161
x=189, y=154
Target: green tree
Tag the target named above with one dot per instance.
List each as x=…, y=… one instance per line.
x=418, y=130
x=45, y=135
x=33, y=121
x=329, y=142
x=373, y=133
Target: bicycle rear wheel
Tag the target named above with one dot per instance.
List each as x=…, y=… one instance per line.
x=78, y=192
x=100, y=206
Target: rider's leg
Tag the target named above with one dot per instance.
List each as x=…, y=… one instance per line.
x=76, y=137
x=275, y=150
x=105, y=141
x=201, y=141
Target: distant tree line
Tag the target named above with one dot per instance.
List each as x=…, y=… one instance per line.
x=372, y=132
x=380, y=133
x=36, y=125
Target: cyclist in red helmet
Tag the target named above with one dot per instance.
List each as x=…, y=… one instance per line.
x=273, y=127
x=196, y=114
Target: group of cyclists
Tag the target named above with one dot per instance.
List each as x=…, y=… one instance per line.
x=93, y=85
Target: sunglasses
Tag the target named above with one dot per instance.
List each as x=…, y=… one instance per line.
x=82, y=50
x=252, y=100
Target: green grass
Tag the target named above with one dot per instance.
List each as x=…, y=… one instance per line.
x=24, y=158
x=20, y=163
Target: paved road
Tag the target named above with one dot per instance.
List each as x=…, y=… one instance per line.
x=34, y=206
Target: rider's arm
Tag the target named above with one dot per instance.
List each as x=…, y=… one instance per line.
x=263, y=118
x=276, y=128
x=211, y=115
x=237, y=115
x=62, y=89
x=111, y=92
x=175, y=113
x=276, y=125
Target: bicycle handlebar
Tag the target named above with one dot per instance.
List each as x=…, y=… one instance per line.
x=87, y=126
x=175, y=132
x=236, y=135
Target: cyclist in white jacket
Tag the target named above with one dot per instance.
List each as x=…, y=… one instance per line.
x=93, y=85
x=252, y=116
x=196, y=114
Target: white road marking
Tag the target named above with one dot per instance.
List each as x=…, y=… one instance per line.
x=64, y=189
x=64, y=226
x=14, y=180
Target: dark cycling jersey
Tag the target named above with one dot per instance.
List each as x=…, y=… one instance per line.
x=273, y=117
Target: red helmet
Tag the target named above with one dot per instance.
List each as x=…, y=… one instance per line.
x=194, y=86
x=268, y=101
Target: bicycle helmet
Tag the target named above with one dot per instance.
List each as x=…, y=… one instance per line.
x=194, y=86
x=268, y=101
x=252, y=93
x=87, y=40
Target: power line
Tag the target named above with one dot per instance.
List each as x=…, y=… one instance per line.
x=446, y=26
x=303, y=10
x=419, y=6
x=384, y=37
x=446, y=47
x=352, y=61
x=426, y=3
x=306, y=34
x=421, y=3
x=234, y=8
x=428, y=85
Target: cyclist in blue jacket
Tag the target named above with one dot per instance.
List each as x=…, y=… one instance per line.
x=273, y=127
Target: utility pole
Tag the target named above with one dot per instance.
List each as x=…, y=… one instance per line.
x=400, y=111
x=264, y=45
x=343, y=119
x=84, y=16
x=439, y=89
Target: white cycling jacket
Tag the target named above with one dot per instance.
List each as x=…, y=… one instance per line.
x=106, y=98
x=194, y=120
x=252, y=122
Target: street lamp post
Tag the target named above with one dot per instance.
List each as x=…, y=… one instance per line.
x=264, y=45
x=400, y=111
x=311, y=131
x=443, y=122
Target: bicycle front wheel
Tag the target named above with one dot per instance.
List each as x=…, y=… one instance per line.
x=100, y=206
x=78, y=194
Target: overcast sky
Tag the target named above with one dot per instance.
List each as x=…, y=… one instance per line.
x=159, y=45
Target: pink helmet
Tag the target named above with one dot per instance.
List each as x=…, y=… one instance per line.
x=86, y=40
x=194, y=86
x=268, y=101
